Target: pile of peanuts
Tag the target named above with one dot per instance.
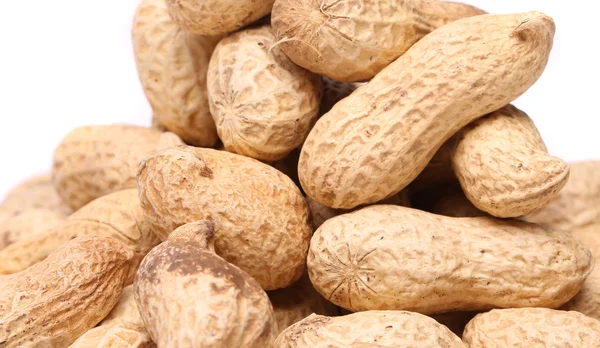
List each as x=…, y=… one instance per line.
x=318, y=173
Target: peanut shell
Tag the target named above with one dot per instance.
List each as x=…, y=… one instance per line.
x=29, y=223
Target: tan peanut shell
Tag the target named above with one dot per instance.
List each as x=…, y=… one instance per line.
x=262, y=221
x=380, y=329
x=189, y=296
x=504, y=167
x=263, y=104
x=36, y=192
x=172, y=66
x=532, y=328
x=476, y=66
x=392, y=257
x=93, y=161
x=57, y=300
x=353, y=40
x=122, y=328
x=29, y=223
x=118, y=215
x=217, y=17
x=298, y=301
x=578, y=203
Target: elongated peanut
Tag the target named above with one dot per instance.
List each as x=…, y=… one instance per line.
x=189, y=296
x=532, y=328
x=217, y=17
x=172, y=66
x=478, y=65
x=94, y=161
x=368, y=329
x=29, y=223
x=298, y=301
x=392, y=257
x=352, y=40
x=122, y=328
x=264, y=105
x=55, y=301
x=504, y=167
x=118, y=215
x=262, y=221
x=578, y=203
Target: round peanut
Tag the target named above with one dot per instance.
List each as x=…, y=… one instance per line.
x=189, y=296
x=354, y=40
x=392, y=257
x=263, y=104
x=374, y=142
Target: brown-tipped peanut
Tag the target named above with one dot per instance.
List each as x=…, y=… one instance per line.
x=374, y=142
x=392, y=257
x=94, y=161
x=172, y=65
x=504, y=167
x=57, y=300
x=532, y=328
x=184, y=290
x=368, y=329
x=118, y=215
x=354, y=40
x=263, y=104
x=217, y=17
x=262, y=221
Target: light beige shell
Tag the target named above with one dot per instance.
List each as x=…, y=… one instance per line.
x=172, y=66
x=263, y=104
x=36, y=192
x=118, y=215
x=368, y=329
x=353, y=40
x=455, y=204
x=532, y=328
x=334, y=91
x=298, y=301
x=190, y=297
x=57, y=300
x=29, y=223
x=455, y=321
x=456, y=74
x=504, y=167
x=578, y=203
x=217, y=17
x=122, y=328
x=262, y=221
x=392, y=257
x=93, y=161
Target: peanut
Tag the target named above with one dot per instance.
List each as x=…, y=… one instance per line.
x=189, y=296
x=476, y=66
x=531, y=328
x=392, y=257
x=36, y=192
x=353, y=40
x=296, y=302
x=262, y=221
x=263, y=104
x=217, y=17
x=172, y=66
x=123, y=327
x=368, y=329
x=55, y=301
x=29, y=223
x=503, y=165
x=94, y=161
x=118, y=215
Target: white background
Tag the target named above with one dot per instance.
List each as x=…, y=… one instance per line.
x=66, y=63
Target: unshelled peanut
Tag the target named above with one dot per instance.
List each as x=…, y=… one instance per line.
x=368, y=329
x=262, y=222
x=57, y=300
x=392, y=257
x=188, y=296
x=263, y=104
x=27, y=224
x=373, y=143
x=354, y=40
